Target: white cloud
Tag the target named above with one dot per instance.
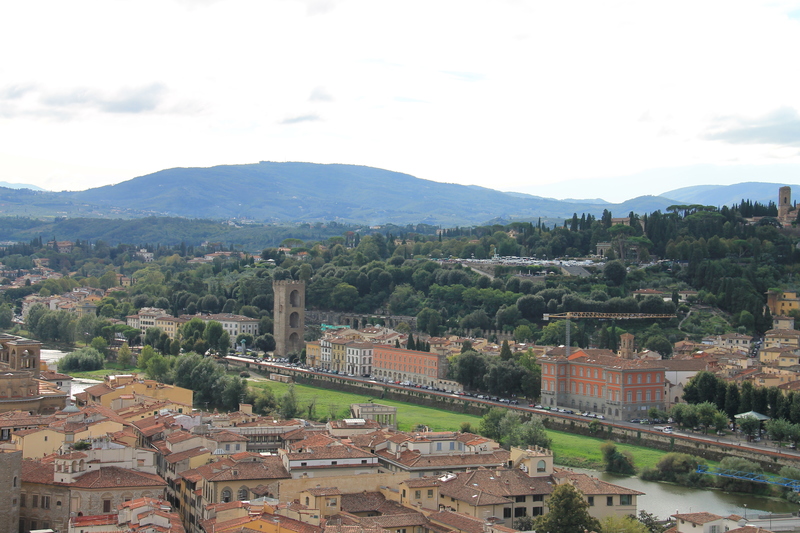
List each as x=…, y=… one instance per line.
x=509, y=95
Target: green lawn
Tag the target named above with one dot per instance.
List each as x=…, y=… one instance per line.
x=569, y=449
x=337, y=403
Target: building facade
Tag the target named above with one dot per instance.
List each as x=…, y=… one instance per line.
x=396, y=364
x=604, y=384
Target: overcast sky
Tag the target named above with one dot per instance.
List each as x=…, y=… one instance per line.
x=563, y=99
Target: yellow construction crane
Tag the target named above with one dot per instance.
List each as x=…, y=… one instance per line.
x=601, y=316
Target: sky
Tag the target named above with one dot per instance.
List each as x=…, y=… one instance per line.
x=565, y=99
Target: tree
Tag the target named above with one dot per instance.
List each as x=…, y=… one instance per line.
x=623, y=524
x=212, y=334
x=615, y=272
x=157, y=367
x=100, y=344
x=750, y=426
x=147, y=353
x=651, y=522
x=288, y=404
x=569, y=513
x=265, y=343
x=429, y=320
x=505, y=352
x=410, y=344
x=490, y=423
x=615, y=461
x=6, y=316
x=124, y=355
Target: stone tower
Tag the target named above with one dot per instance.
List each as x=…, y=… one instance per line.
x=784, y=202
x=290, y=316
x=626, y=347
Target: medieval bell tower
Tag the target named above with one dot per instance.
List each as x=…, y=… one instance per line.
x=290, y=316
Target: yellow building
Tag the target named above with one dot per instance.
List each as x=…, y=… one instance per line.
x=37, y=443
x=785, y=338
x=782, y=303
x=313, y=354
x=114, y=387
x=170, y=325
x=339, y=354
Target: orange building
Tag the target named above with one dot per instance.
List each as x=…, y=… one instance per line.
x=397, y=364
x=604, y=384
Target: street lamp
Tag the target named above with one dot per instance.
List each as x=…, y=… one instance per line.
x=745, y=511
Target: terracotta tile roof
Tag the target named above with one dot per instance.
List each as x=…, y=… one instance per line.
x=413, y=459
x=410, y=519
x=115, y=477
x=98, y=390
x=329, y=452
x=362, y=502
x=590, y=485
x=422, y=482
x=489, y=487
x=340, y=528
x=227, y=436
x=37, y=472
x=95, y=520
x=228, y=470
x=187, y=454
x=457, y=521
x=313, y=440
x=180, y=436
x=698, y=518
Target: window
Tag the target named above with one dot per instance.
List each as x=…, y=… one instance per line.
x=22, y=500
x=609, y=500
x=45, y=502
x=648, y=378
x=591, y=501
x=242, y=495
x=226, y=496
x=330, y=502
x=35, y=501
x=106, y=506
x=520, y=511
x=438, y=446
x=647, y=396
x=417, y=494
x=630, y=379
x=507, y=512
x=303, y=464
x=227, y=447
x=519, y=499
x=33, y=524
x=638, y=378
x=625, y=499
x=430, y=493
x=334, y=463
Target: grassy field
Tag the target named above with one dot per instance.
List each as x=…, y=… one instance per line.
x=569, y=449
x=337, y=404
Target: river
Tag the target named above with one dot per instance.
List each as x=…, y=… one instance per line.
x=51, y=357
x=664, y=499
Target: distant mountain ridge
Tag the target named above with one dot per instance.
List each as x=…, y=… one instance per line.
x=719, y=195
x=308, y=192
